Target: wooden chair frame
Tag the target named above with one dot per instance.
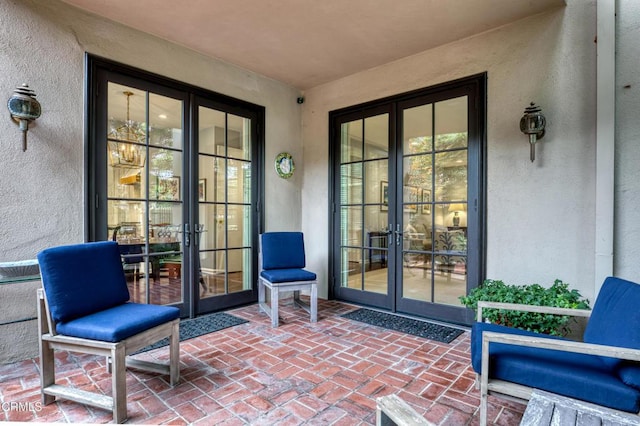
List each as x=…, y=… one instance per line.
x=295, y=286
x=117, y=361
x=276, y=288
x=519, y=392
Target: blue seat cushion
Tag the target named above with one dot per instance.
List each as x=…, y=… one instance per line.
x=287, y=275
x=581, y=376
x=282, y=250
x=118, y=323
x=82, y=279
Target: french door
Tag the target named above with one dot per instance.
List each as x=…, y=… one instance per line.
x=407, y=201
x=174, y=179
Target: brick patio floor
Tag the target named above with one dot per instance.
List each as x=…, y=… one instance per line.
x=327, y=373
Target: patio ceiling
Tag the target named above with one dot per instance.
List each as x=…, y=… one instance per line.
x=306, y=43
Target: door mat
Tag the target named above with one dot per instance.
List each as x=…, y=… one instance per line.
x=419, y=328
x=195, y=327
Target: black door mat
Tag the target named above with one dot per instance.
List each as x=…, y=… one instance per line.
x=419, y=328
x=195, y=327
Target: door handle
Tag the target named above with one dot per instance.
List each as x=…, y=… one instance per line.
x=187, y=235
x=398, y=235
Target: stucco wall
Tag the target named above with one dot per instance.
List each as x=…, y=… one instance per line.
x=43, y=44
x=540, y=216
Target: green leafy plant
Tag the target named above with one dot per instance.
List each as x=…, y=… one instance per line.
x=557, y=295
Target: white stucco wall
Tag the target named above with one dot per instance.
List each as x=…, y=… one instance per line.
x=627, y=158
x=540, y=216
x=42, y=43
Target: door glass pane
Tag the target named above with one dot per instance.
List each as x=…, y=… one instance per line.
x=451, y=176
x=376, y=250
x=211, y=131
x=224, y=199
x=451, y=126
x=351, y=231
x=351, y=183
x=376, y=174
x=376, y=137
x=434, y=239
x=165, y=121
x=144, y=185
x=212, y=182
x=351, y=268
x=239, y=137
x=364, y=189
x=351, y=141
x=418, y=129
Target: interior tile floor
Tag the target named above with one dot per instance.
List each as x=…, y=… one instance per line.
x=327, y=373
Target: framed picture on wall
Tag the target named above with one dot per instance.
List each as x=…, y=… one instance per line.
x=426, y=199
x=384, y=196
x=168, y=188
x=410, y=199
x=202, y=190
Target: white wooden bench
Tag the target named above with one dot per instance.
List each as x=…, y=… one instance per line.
x=546, y=408
x=391, y=410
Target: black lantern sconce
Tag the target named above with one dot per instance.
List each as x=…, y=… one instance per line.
x=532, y=123
x=24, y=109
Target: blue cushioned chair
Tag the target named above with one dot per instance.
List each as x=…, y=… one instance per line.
x=603, y=369
x=83, y=307
x=282, y=263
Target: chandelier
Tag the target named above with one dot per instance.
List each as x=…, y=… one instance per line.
x=126, y=142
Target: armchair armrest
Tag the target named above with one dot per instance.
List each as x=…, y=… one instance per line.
x=560, y=345
x=531, y=308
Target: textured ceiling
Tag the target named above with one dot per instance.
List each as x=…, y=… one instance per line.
x=306, y=43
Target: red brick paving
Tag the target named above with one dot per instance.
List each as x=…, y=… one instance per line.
x=328, y=373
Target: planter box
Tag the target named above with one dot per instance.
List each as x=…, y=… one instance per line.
x=18, y=320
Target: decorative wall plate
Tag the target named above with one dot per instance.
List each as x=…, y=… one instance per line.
x=284, y=165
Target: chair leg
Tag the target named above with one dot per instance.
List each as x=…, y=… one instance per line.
x=119, y=384
x=274, y=305
x=313, y=301
x=261, y=292
x=174, y=355
x=47, y=371
x=47, y=360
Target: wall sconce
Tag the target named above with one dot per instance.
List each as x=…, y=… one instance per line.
x=456, y=208
x=532, y=123
x=24, y=108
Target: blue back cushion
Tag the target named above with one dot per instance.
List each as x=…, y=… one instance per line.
x=615, y=321
x=282, y=250
x=82, y=279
